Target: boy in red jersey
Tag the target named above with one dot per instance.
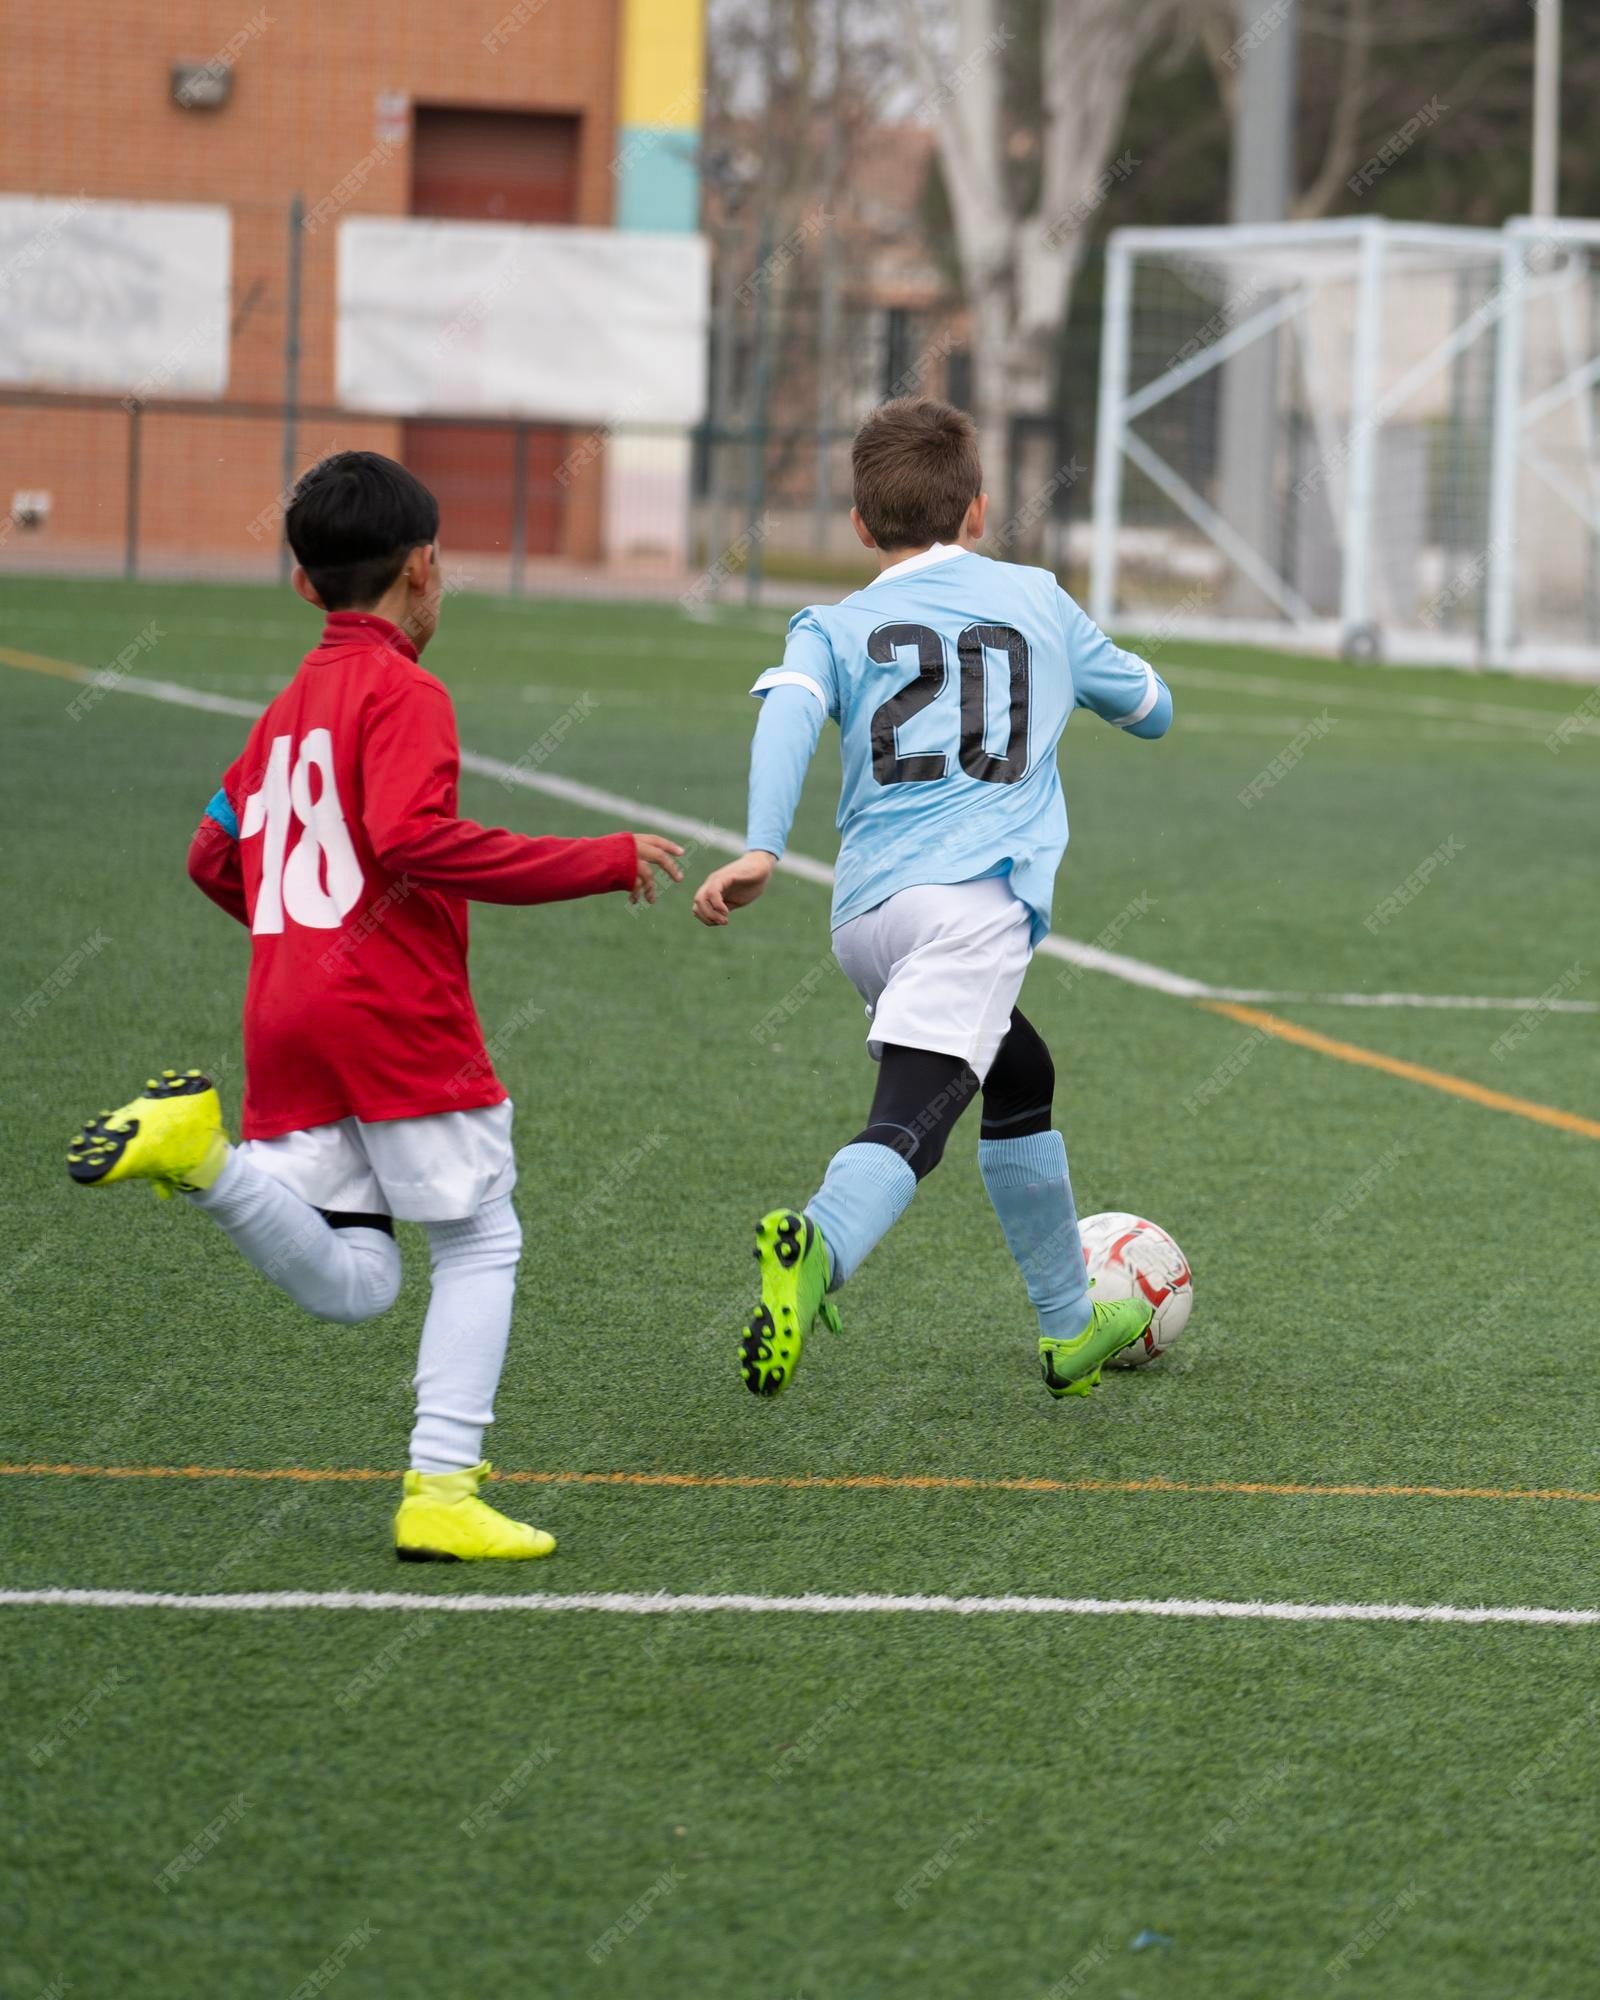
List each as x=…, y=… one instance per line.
x=369, y=1094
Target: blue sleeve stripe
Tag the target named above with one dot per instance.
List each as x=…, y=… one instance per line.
x=224, y=815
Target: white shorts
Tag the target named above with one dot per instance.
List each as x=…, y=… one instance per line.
x=438, y=1169
x=940, y=967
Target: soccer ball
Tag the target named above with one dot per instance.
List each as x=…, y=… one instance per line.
x=1130, y=1258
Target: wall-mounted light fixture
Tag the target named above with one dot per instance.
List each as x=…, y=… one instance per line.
x=204, y=86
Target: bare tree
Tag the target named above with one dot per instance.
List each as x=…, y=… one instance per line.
x=1020, y=236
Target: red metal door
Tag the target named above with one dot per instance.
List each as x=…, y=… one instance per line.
x=493, y=166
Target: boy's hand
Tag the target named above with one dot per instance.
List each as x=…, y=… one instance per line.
x=653, y=851
x=731, y=887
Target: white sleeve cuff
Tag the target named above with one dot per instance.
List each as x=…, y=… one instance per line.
x=777, y=677
x=1152, y=694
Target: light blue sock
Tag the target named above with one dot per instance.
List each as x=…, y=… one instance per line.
x=1028, y=1184
x=865, y=1191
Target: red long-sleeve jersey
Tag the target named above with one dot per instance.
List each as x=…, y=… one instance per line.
x=335, y=838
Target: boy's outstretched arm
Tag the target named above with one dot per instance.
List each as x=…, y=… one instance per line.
x=1119, y=687
x=409, y=814
x=786, y=738
x=214, y=858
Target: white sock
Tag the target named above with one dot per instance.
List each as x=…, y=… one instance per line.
x=464, y=1335
x=339, y=1274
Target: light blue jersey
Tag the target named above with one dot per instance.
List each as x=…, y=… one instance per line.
x=951, y=678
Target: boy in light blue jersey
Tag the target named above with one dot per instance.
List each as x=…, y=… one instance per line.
x=951, y=678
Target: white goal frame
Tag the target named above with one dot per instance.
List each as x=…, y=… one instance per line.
x=1508, y=635
x=1541, y=273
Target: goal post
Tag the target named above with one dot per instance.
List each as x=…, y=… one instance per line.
x=1296, y=430
x=1544, y=575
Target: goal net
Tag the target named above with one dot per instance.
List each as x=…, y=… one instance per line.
x=1295, y=436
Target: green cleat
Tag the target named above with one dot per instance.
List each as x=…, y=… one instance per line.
x=1072, y=1367
x=794, y=1285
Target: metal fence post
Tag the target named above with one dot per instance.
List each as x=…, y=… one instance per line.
x=291, y=362
x=758, y=422
x=1110, y=430
x=519, y=506
x=130, y=518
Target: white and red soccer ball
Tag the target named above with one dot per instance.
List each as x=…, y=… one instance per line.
x=1130, y=1258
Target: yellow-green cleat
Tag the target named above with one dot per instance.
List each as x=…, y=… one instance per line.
x=172, y=1135
x=794, y=1286
x=441, y=1519
x=1072, y=1367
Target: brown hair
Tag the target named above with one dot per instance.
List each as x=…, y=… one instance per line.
x=916, y=471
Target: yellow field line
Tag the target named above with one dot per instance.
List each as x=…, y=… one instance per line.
x=849, y=1482
x=36, y=663
x=1435, y=1079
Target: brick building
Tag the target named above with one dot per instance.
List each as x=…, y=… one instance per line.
x=549, y=111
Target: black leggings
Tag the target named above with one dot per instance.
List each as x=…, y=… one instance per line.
x=920, y=1096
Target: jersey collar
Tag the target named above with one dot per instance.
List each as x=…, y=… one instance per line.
x=364, y=628
x=923, y=559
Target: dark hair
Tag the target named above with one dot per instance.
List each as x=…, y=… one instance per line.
x=352, y=521
x=916, y=471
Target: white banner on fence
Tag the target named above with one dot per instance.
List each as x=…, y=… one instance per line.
x=129, y=298
x=507, y=319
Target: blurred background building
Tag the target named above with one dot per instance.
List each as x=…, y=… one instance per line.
x=620, y=277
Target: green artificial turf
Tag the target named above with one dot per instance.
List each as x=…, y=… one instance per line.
x=1394, y=1289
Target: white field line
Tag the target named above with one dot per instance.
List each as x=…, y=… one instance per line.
x=704, y=833
x=1484, y=714
x=1434, y=707
x=660, y=1603
x=1187, y=722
